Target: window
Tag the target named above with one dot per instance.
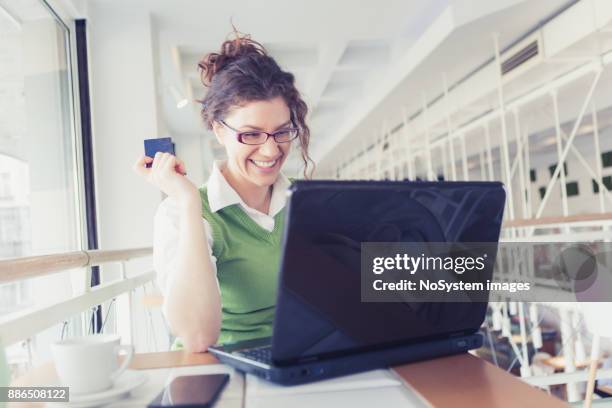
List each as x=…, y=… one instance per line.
x=38, y=193
x=552, y=168
x=572, y=189
x=606, y=159
x=607, y=181
x=542, y=191
x=532, y=175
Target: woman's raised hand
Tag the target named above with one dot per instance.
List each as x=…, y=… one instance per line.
x=168, y=174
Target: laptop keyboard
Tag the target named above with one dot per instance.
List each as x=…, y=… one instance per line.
x=261, y=354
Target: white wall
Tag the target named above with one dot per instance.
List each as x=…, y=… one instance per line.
x=124, y=113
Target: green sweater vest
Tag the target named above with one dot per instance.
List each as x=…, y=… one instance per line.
x=247, y=270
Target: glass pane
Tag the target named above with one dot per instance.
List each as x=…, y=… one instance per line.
x=38, y=211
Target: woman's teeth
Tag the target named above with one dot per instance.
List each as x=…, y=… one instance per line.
x=264, y=163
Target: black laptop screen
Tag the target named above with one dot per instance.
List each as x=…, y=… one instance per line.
x=319, y=310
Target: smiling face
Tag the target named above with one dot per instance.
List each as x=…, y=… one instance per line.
x=257, y=165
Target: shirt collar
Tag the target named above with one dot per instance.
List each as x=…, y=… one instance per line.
x=221, y=194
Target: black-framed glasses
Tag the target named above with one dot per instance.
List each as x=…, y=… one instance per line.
x=257, y=137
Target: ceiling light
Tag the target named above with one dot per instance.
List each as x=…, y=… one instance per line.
x=181, y=101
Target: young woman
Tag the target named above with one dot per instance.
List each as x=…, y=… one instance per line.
x=216, y=248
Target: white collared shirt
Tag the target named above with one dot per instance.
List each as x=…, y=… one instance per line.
x=220, y=195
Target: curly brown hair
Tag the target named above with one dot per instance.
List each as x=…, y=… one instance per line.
x=242, y=71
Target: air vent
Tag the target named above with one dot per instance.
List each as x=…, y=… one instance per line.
x=523, y=56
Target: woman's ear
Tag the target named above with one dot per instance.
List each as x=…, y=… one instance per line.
x=217, y=129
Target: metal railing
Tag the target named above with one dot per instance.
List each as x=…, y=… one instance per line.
x=23, y=325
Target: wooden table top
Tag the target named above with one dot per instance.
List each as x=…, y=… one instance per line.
x=468, y=381
x=458, y=381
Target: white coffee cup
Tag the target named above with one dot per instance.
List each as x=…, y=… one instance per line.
x=89, y=364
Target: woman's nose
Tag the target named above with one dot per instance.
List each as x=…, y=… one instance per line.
x=269, y=148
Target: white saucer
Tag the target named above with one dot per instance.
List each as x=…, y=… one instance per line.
x=126, y=382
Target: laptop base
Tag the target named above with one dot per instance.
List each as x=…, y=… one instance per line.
x=352, y=364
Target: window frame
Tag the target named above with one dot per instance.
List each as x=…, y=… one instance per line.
x=85, y=194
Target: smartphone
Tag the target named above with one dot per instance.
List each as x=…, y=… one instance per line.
x=191, y=391
x=162, y=144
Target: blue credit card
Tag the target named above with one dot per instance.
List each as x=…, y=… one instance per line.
x=162, y=144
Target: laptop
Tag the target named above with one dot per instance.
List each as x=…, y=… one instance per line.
x=322, y=329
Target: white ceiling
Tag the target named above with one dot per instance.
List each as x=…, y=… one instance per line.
x=340, y=51
x=334, y=48
x=468, y=46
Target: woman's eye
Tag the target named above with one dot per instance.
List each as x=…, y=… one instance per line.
x=285, y=135
x=251, y=135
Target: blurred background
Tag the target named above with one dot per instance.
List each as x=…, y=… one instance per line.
x=396, y=89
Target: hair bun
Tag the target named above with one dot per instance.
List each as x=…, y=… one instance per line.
x=231, y=50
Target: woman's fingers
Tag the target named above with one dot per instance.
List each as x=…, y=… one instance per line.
x=168, y=163
x=180, y=167
x=165, y=173
x=157, y=160
x=140, y=166
x=162, y=165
